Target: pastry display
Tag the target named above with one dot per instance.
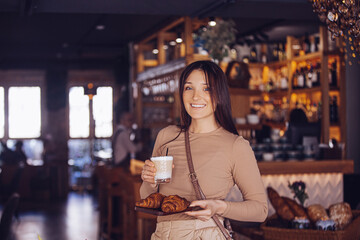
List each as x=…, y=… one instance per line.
x=154, y=200
x=281, y=207
x=317, y=212
x=174, y=204
x=341, y=214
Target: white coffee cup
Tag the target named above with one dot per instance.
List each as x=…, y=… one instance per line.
x=163, y=165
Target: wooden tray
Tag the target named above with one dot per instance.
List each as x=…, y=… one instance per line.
x=158, y=212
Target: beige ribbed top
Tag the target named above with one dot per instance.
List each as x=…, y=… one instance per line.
x=221, y=159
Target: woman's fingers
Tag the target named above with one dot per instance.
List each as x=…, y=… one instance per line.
x=148, y=172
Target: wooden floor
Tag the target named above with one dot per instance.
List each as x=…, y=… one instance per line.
x=73, y=219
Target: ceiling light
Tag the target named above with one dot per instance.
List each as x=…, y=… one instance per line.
x=100, y=27
x=172, y=43
x=178, y=39
x=212, y=22
x=165, y=47
x=155, y=51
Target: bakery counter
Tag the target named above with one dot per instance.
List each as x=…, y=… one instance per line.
x=307, y=167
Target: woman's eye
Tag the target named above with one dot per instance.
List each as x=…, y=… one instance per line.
x=207, y=89
x=187, y=88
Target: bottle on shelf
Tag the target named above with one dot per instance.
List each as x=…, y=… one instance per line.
x=333, y=74
x=301, y=78
x=281, y=52
x=316, y=75
x=306, y=43
x=295, y=80
x=334, y=117
x=253, y=55
x=309, y=76
x=275, y=53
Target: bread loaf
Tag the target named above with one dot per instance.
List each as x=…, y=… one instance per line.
x=341, y=214
x=317, y=212
x=174, y=204
x=281, y=207
x=154, y=200
x=296, y=208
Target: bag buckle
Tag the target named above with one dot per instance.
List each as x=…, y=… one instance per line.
x=193, y=176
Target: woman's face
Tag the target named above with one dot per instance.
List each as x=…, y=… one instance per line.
x=197, y=98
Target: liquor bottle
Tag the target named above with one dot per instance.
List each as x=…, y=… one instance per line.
x=333, y=109
x=295, y=80
x=301, y=78
x=306, y=43
x=274, y=52
x=253, y=54
x=309, y=77
x=333, y=74
x=316, y=76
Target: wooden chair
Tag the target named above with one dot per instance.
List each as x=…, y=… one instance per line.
x=108, y=189
x=7, y=216
x=115, y=193
x=144, y=223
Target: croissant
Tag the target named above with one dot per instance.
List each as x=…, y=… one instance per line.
x=174, y=203
x=154, y=200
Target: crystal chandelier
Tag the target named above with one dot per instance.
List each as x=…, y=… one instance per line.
x=342, y=18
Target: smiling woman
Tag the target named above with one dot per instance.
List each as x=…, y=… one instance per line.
x=206, y=125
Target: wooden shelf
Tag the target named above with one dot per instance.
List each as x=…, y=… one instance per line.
x=307, y=90
x=246, y=92
x=277, y=93
x=269, y=64
x=301, y=167
x=307, y=57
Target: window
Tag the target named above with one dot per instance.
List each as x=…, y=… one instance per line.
x=79, y=116
x=24, y=112
x=2, y=113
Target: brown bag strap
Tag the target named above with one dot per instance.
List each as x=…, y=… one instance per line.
x=199, y=193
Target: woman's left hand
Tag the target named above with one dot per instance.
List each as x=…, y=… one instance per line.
x=209, y=208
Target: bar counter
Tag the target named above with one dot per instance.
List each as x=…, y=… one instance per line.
x=307, y=167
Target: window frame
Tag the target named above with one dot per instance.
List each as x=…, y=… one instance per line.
x=23, y=78
x=100, y=78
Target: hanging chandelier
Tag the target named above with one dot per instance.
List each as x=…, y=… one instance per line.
x=342, y=18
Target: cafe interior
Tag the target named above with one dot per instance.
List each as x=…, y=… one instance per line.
x=69, y=69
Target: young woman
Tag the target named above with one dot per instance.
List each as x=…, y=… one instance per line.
x=221, y=159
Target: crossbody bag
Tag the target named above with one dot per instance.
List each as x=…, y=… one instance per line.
x=227, y=232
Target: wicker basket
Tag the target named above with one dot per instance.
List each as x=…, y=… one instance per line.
x=351, y=232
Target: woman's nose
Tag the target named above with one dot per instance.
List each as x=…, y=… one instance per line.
x=196, y=95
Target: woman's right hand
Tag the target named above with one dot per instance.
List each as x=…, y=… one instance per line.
x=148, y=172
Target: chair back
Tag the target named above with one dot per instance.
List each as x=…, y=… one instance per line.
x=7, y=216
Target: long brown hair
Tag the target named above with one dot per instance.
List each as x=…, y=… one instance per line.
x=219, y=93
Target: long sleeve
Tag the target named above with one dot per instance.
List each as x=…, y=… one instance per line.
x=146, y=189
x=247, y=177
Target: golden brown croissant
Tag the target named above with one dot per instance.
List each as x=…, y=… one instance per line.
x=154, y=200
x=174, y=203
